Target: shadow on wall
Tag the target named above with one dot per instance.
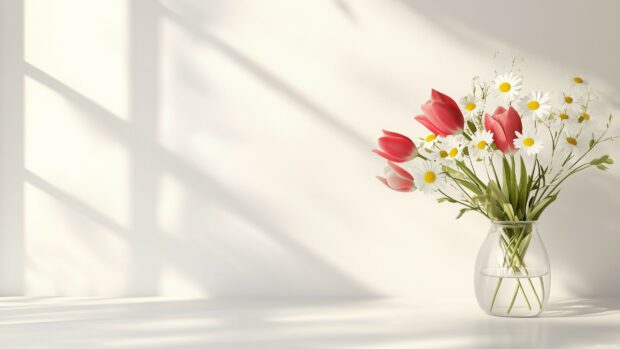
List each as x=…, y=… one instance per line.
x=206, y=256
x=582, y=233
x=186, y=20
x=567, y=32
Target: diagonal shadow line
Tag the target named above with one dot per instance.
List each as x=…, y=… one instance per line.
x=96, y=216
x=112, y=122
x=209, y=188
x=73, y=202
x=346, y=9
x=186, y=172
x=268, y=78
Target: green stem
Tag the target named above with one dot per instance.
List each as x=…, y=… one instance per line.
x=514, y=261
x=472, y=166
x=534, y=289
x=516, y=254
x=542, y=288
x=494, y=171
x=499, y=283
x=514, y=298
x=460, y=186
x=580, y=168
x=457, y=201
x=529, y=306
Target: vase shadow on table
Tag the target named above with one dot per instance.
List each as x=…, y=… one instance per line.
x=581, y=308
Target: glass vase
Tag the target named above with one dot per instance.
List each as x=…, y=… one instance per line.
x=512, y=276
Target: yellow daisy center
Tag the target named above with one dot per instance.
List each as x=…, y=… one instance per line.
x=504, y=87
x=443, y=154
x=533, y=105
x=571, y=140
x=430, y=137
x=568, y=99
x=528, y=142
x=453, y=152
x=470, y=106
x=429, y=177
x=481, y=145
x=578, y=80
x=563, y=116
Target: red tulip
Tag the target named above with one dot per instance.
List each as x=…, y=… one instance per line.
x=397, y=178
x=504, y=124
x=442, y=115
x=396, y=147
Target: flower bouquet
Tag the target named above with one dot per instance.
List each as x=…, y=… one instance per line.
x=507, y=165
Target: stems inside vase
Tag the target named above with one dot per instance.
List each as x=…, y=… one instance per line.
x=514, y=243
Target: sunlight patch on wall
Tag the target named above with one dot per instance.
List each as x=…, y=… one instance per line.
x=84, y=44
x=68, y=253
x=173, y=282
x=66, y=148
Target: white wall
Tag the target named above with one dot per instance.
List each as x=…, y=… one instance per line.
x=222, y=148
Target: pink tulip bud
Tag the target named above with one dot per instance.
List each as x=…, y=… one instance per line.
x=396, y=147
x=397, y=178
x=441, y=115
x=504, y=124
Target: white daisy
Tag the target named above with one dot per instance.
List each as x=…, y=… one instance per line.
x=570, y=101
x=470, y=105
x=429, y=141
x=507, y=86
x=570, y=140
x=577, y=80
x=528, y=143
x=590, y=123
x=563, y=118
x=583, y=117
x=428, y=176
x=438, y=153
x=450, y=150
x=481, y=144
x=536, y=105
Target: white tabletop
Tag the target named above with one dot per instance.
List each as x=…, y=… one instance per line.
x=386, y=324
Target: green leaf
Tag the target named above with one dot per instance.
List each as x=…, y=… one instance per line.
x=481, y=200
x=523, y=244
x=509, y=211
x=514, y=194
x=496, y=193
x=461, y=165
x=469, y=185
x=462, y=212
x=524, y=189
x=507, y=179
x=495, y=202
x=531, y=202
x=602, y=160
x=472, y=126
x=444, y=199
x=540, y=206
x=453, y=172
